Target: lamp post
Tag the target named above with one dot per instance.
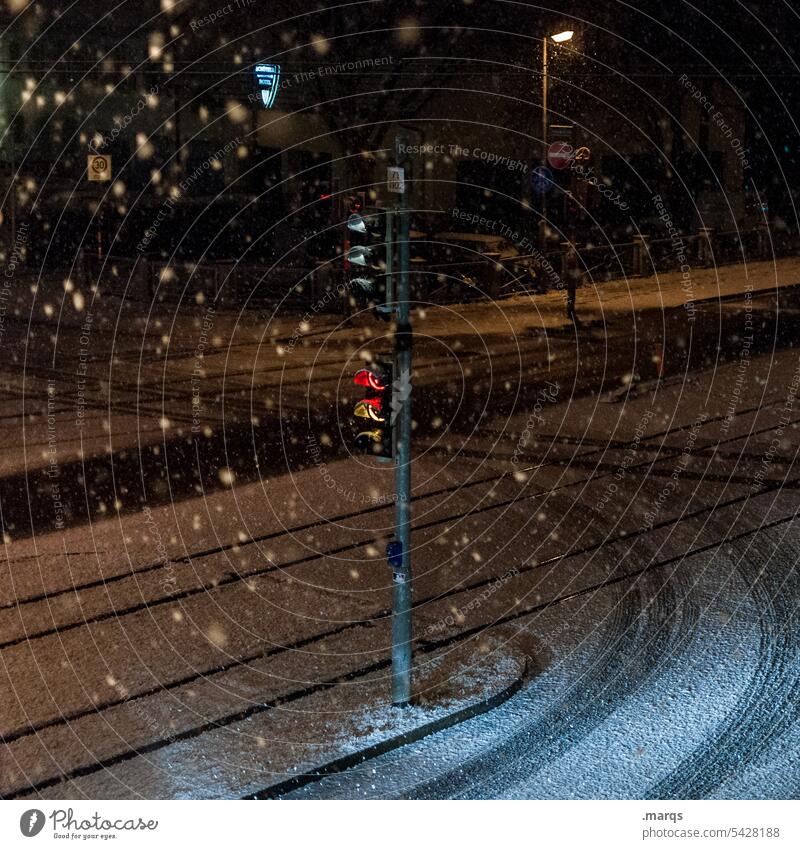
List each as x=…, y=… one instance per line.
x=558, y=38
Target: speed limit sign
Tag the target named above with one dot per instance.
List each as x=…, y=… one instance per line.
x=99, y=168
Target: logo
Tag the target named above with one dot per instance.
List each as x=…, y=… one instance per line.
x=31, y=822
x=268, y=78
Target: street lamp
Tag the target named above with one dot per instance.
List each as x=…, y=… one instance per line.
x=558, y=38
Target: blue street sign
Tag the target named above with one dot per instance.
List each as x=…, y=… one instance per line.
x=394, y=553
x=542, y=179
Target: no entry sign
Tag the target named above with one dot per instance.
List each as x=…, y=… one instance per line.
x=560, y=154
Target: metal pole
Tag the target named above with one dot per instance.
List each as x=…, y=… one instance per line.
x=13, y=183
x=544, y=139
x=390, y=259
x=401, y=616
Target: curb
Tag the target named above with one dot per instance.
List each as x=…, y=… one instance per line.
x=340, y=764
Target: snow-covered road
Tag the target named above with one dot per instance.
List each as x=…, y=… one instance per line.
x=638, y=546
x=685, y=685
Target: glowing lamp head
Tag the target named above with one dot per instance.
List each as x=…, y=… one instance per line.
x=369, y=439
x=365, y=377
x=367, y=409
x=562, y=36
x=359, y=255
x=356, y=223
x=374, y=410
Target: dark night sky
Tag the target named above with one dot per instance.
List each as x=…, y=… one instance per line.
x=486, y=43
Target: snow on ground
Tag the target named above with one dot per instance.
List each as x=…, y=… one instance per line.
x=298, y=736
x=149, y=651
x=641, y=722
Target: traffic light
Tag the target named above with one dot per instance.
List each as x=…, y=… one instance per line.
x=373, y=412
x=366, y=259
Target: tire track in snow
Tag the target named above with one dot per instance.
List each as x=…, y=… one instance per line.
x=630, y=657
x=625, y=611
x=769, y=705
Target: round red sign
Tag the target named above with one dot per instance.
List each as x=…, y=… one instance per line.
x=560, y=154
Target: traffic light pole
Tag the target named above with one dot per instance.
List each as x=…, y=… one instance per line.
x=401, y=615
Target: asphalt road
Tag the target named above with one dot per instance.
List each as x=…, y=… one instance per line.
x=208, y=560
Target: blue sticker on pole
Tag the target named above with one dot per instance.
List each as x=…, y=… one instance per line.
x=394, y=554
x=542, y=179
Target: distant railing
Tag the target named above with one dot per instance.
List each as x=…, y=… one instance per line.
x=226, y=282
x=300, y=287
x=645, y=256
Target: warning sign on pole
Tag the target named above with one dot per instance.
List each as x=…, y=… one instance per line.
x=99, y=168
x=396, y=180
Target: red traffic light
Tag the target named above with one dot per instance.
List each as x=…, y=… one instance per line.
x=377, y=408
x=368, y=378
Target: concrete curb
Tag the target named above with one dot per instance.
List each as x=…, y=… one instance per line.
x=340, y=764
